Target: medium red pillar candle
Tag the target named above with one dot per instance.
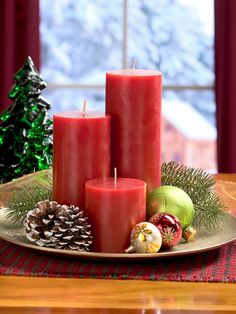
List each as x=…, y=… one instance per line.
x=81, y=151
x=133, y=98
x=113, y=209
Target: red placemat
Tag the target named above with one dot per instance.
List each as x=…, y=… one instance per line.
x=212, y=266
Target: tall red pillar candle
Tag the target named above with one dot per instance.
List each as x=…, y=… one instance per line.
x=133, y=98
x=114, y=208
x=81, y=151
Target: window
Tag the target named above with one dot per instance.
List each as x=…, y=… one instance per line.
x=82, y=39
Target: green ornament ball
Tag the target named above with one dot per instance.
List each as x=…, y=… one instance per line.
x=172, y=200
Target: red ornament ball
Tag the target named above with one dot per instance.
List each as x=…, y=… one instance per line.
x=169, y=227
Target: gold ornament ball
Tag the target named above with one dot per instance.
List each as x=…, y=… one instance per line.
x=145, y=238
x=172, y=200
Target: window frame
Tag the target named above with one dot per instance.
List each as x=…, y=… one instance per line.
x=125, y=29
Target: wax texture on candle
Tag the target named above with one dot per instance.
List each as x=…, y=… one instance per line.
x=113, y=210
x=133, y=98
x=81, y=151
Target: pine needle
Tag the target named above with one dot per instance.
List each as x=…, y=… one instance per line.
x=25, y=199
x=209, y=211
x=198, y=184
x=192, y=178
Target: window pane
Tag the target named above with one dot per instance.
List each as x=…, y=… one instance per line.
x=73, y=99
x=174, y=36
x=202, y=100
x=189, y=134
x=80, y=39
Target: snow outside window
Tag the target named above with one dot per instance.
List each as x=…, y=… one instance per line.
x=81, y=40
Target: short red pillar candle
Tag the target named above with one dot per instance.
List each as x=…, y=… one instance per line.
x=81, y=151
x=114, y=208
x=133, y=98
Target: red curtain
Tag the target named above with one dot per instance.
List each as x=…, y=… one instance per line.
x=225, y=69
x=19, y=37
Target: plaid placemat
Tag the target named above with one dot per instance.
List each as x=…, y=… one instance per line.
x=212, y=266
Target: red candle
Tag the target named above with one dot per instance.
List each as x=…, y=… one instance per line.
x=114, y=207
x=133, y=98
x=81, y=151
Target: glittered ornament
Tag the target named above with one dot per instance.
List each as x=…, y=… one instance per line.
x=189, y=234
x=172, y=200
x=145, y=238
x=169, y=227
x=25, y=127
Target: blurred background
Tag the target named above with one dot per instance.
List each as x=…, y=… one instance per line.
x=81, y=40
x=74, y=42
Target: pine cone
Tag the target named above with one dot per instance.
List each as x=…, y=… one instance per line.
x=58, y=226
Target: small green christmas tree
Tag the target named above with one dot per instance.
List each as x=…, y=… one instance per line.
x=25, y=127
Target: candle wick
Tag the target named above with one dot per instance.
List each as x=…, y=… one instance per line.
x=84, y=107
x=134, y=64
x=115, y=175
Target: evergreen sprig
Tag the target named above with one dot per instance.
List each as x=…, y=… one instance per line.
x=25, y=199
x=198, y=184
x=209, y=210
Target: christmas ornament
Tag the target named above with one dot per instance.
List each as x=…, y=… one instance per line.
x=169, y=227
x=198, y=184
x=189, y=234
x=145, y=238
x=25, y=128
x=208, y=206
x=58, y=226
x=172, y=200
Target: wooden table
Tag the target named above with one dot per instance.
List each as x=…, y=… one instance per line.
x=27, y=295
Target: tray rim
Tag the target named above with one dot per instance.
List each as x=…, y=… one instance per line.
x=115, y=256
